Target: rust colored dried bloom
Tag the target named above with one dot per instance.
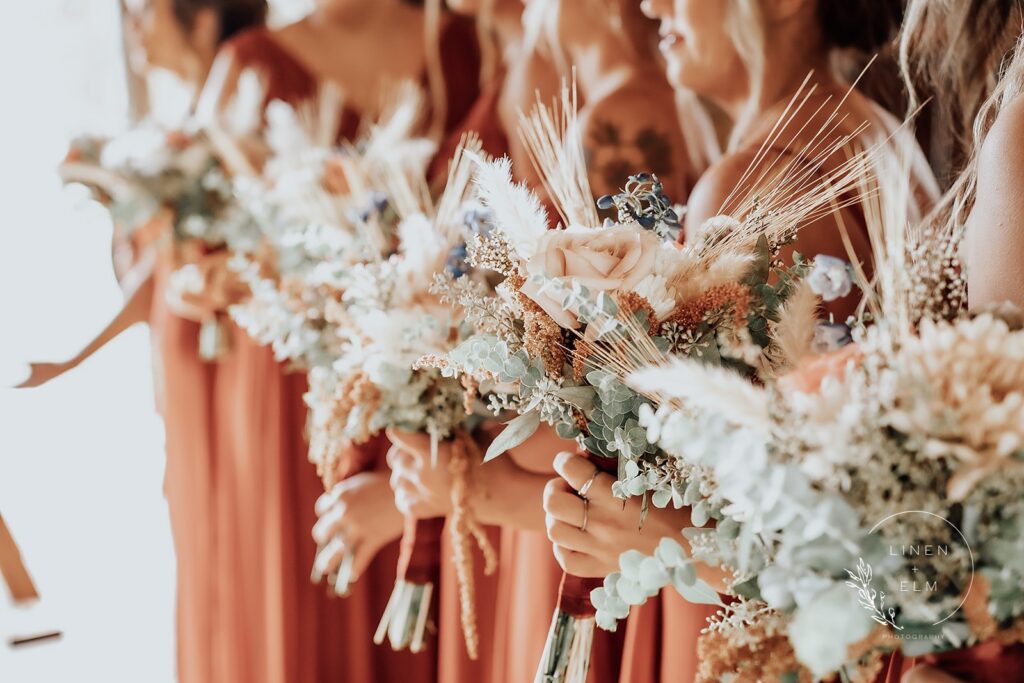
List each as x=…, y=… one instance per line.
x=580, y=354
x=580, y=418
x=543, y=339
x=630, y=302
x=730, y=295
x=975, y=608
x=868, y=651
x=759, y=657
x=471, y=390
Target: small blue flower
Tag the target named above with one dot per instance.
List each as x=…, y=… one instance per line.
x=456, y=264
x=830, y=337
x=477, y=220
x=379, y=201
x=830, y=278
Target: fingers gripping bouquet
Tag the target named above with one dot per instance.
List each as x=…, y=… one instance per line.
x=152, y=170
x=868, y=499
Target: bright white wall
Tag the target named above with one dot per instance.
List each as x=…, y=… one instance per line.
x=81, y=460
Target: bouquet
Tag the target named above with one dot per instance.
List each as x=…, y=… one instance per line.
x=150, y=170
x=153, y=166
x=867, y=500
x=582, y=305
x=322, y=210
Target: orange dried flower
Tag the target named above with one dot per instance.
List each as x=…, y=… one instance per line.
x=811, y=371
x=760, y=657
x=730, y=295
x=580, y=354
x=335, y=181
x=976, y=609
x=631, y=302
x=543, y=339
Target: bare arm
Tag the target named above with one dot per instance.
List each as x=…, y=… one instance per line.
x=995, y=228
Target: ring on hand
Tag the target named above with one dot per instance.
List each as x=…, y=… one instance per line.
x=585, y=489
x=586, y=514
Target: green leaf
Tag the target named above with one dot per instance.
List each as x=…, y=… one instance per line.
x=759, y=268
x=515, y=433
x=578, y=397
x=699, y=592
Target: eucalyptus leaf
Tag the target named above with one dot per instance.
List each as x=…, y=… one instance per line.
x=515, y=433
x=699, y=592
x=578, y=397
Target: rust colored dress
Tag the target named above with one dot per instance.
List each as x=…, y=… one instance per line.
x=454, y=665
x=277, y=626
x=989, y=662
x=241, y=494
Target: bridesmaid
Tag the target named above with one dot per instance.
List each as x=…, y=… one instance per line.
x=184, y=37
x=626, y=101
x=749, y=57
x=279, y=626
x=977, y=72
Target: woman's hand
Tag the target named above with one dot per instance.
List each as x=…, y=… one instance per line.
x=590, y=535
x=358, y=516
x=501, y=493
x=422, y=489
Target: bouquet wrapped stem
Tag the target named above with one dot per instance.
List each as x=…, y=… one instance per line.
x=214, y=338
x=566, y=657
x=407, y=616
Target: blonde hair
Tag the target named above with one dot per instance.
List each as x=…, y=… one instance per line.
x=971, y=54
x=953, y=49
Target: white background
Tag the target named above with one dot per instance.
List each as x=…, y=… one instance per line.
x=81, y=460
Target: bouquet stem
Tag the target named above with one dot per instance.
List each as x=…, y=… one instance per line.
x=566, y=657
x=214, y=339
x=407, y=617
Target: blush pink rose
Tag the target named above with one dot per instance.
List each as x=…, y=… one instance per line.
x=603, y=260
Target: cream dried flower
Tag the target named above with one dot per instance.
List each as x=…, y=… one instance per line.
x=961, y=396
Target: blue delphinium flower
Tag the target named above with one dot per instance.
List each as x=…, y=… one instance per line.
x=456, y=264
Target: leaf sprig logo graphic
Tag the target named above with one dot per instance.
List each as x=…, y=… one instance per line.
x=870, y=599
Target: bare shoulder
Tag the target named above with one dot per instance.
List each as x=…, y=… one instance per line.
x=995, y=231
x=632, y=131
x=1003, y=149
x=725, y=182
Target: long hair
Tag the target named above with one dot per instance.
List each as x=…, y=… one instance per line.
x=952, y=50
x=233, y=15
x=969, y=54
x=862, y=26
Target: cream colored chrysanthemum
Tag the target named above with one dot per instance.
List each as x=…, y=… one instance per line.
x=960, y=394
